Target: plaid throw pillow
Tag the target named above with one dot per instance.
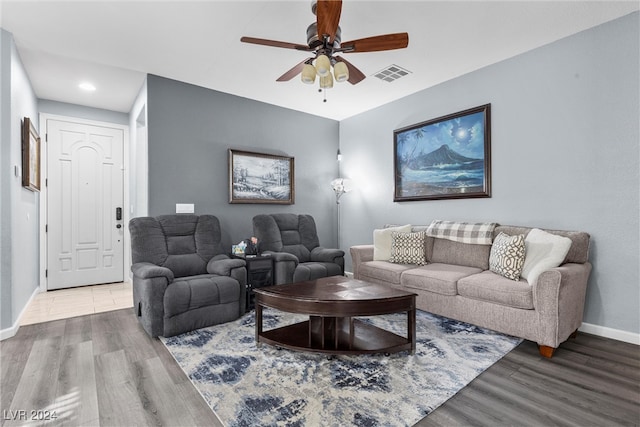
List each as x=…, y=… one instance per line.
x=408, y=248
x=507, y=256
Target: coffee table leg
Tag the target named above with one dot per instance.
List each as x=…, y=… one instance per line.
x=411, y=326
x=258, y=323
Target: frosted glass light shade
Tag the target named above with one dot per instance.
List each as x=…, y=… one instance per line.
x=323, y=65
x=308, y=75
x=326, y=82
x=341, y=72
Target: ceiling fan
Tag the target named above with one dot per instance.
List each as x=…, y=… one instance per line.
x=324, y=41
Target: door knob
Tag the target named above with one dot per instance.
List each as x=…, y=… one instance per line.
x=118, y=225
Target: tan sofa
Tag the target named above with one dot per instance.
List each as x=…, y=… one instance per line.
x=457, y=283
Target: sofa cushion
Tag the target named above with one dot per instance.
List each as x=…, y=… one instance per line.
x=489, y=286
x=383, y=271
x=544, y=251
x=408, y=248
x=449, y=252
x=438, y=278
x=507, y=256
x=189, y=293
x=382, y=241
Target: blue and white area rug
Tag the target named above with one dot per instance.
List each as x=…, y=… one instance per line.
x=250, y=386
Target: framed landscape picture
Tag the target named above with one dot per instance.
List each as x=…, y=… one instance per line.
x=444, y=158
x=260, y=178
x=30, y=156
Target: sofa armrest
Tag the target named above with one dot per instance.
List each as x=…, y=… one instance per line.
x=284, y=265
x=147, y=270
x=335, y=256
x=150, y=283
x=224, y=266
x=319, y=254
x=235, y=268
x=360, y=254
x=282, y=256
x=559, y=297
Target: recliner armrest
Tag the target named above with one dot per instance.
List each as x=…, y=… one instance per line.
x=282, y=256
x=147, y=270
x=223, y=265
x=320, y=254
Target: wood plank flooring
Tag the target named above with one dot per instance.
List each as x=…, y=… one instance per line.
x=102, y=369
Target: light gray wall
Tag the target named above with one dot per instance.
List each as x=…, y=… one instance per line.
x=20, y=220
x=5, y=179
x=565, y=137
x=82, y=112
x=190, y=130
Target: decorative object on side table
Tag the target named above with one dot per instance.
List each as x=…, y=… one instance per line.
x=444, y=158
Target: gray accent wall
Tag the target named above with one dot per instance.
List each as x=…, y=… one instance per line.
x=190, y=130
x=565, y=138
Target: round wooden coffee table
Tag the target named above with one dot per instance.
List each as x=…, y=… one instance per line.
x=333, y=303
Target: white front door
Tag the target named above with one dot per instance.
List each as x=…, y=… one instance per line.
x=85, y=202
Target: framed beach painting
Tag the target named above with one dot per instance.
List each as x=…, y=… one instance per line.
x=444, y=158
x=260, y=178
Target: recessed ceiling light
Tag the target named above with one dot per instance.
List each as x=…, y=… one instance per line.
x=87, y=86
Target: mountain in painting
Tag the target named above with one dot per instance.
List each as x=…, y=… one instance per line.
x=441, y=157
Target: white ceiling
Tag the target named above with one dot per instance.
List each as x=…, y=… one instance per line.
x=114, y=44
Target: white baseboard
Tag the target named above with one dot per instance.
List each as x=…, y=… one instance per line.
x=614, y=334
x=348, y=274
x=10, y=332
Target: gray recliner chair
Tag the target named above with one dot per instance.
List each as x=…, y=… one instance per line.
x=292, y=241
x=182, y=280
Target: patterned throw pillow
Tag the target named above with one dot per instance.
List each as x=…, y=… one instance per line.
x=507, y=255
x=408, y=248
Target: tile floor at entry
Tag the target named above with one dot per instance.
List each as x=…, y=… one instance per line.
x=72, y=302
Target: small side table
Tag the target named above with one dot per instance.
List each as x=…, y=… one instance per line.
x=259, y=274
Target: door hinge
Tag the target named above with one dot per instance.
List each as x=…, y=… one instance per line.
x=46, y=273
x=46, y=137
x=46, y=228
x=46, y=182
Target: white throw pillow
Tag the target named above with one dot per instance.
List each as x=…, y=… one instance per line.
x=543, y=251
x=382, y=241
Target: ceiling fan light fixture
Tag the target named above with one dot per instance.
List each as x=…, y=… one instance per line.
x=341, y=72
x=308, y=75
x=326, y=82
x=323, y=65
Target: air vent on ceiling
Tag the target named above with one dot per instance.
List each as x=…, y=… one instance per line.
x=391, y=73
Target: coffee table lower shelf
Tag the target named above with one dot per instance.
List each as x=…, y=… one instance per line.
x=335, y=335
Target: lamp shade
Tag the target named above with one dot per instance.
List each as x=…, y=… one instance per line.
x=341, y=185
x=308, y=75
x=326, y=82
x=323, y=65
x=341, y=72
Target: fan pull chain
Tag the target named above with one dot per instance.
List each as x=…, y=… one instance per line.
x=324, y=94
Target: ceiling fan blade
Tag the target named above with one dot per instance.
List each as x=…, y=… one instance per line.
x=355, y=75
x=275, y=43
x=292, y=72
x=376, y=43
x=328, y=18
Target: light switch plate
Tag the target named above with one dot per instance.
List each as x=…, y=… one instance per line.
x=185, y=208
